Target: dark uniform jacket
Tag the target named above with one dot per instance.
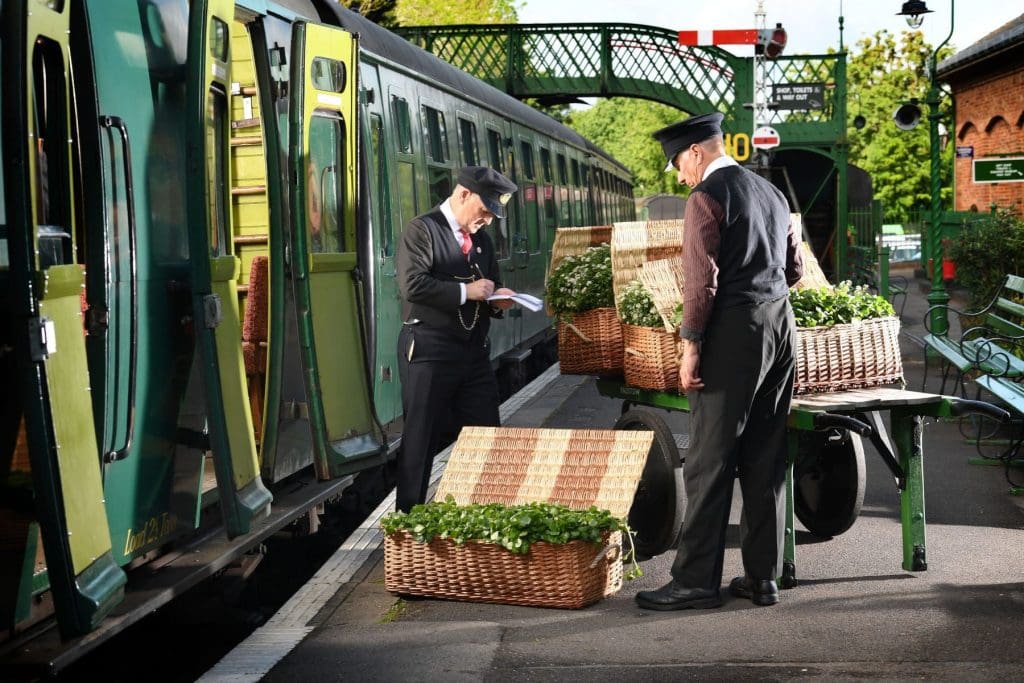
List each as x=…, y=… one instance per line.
x=430, y=267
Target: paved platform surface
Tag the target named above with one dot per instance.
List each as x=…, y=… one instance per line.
x=855, y=615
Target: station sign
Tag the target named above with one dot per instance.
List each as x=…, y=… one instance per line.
x=798, y=96
x=765, y=137
x=965, y=152
x=1002, y=170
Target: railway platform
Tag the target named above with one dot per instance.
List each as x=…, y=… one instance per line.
x=855, y=614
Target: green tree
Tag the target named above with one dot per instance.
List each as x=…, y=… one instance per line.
x=623, y=127
x=437, y=12
x=380, y=12
x=884, y=72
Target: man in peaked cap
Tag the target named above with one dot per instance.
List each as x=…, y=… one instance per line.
x=740, y=255
x=447, y=269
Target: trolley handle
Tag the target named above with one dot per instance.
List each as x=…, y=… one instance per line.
x=963, y=406
x=822, y=420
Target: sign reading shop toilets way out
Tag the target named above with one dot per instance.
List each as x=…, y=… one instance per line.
x=1003, y=170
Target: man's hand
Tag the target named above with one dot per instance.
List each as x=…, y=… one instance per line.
x=503, y=303
x=479, y=290
x=689, y=367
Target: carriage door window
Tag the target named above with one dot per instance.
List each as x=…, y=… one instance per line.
x=500, y=231
x=380, y=171
x=5, y=260
x=577, y=194
x=549, y=190
x=530, y=198
x=439, y=176
x=467, y=141
x=563, y=192
x=51, y=194
x=323, y=182
x=405, y=162
x=217, y=174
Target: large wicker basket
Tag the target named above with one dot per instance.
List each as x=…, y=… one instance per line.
x=578, y=468
x=848, y=356
x=650, y=358
x=568, y=575
x=590, y=343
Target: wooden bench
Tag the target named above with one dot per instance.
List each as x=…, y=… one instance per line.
x=992, y=349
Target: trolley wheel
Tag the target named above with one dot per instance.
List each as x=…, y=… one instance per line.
x=660, y=501
x=828, y=481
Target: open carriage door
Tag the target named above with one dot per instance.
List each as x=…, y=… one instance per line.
x=43, y=288
x=323, y=159
x=215, y=268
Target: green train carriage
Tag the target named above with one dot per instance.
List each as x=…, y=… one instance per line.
x=201, y=202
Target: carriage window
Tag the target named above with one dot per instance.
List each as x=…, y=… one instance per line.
x=545, y=164
x=563, y=174
x=323, y=182
x=467, y=138
x=328, y=74
x=435, y=133
x=216, y=159
x=575, y=173
x=494, y=147
x=403, y=127
x=5, y=260
x=528, y=169
x=381, y=179
x=51, y=191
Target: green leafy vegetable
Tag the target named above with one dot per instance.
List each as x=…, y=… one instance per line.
x=837, y=305
x=636, y=307
x=514, y=527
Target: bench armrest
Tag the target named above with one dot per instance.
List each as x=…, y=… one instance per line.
x=990, y=355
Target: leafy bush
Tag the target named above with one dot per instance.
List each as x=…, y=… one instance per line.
x=514, y=527
x=636, y=307
x=985, y=252
x=837, y=305
x=582, y=282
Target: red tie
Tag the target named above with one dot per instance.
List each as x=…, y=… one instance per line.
x=467, y=243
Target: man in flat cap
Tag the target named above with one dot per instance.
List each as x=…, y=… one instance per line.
x=740, y=256
x=447, y=268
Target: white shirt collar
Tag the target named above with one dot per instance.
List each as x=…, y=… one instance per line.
x=720, y=162
x=446, y=209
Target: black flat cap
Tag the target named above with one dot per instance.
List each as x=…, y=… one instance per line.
x=677, y=137
x=494, y=189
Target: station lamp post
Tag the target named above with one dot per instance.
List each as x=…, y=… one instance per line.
x=914, y=11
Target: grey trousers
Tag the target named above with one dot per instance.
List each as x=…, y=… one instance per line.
x=738, y=427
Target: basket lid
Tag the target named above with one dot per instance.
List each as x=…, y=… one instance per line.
x=572, y=467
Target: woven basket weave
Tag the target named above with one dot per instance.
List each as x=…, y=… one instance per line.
x=848, y=356
x=572, y=241
x=567, y=575
x=650, y=358
x=635, y=243
x=577, y=468
x=591, y=343
x=813, y=277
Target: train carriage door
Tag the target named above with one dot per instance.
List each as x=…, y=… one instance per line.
x=323, y=160
x=215, y=268
x=534, y=235
x=55, y=471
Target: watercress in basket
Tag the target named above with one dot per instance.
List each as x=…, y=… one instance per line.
x=837, y=305
x=636, y=307
x=514, y=527
x=582, y=282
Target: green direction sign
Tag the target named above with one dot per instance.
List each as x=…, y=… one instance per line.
x=1004, y=170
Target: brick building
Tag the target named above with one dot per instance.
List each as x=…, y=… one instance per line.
x=987, y=80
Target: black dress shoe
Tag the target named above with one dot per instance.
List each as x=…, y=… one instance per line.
x=672, y=596
x=761, y=593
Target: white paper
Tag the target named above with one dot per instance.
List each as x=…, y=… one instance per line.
x=525, y=300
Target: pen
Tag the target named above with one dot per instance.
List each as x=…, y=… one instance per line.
x=482, y=277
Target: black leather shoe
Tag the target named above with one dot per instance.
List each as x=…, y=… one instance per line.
x=672, y=596
x=761, y=593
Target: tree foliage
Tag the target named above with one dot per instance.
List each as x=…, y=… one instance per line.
x=884, y=72
x=623, y=127
x=437, y=12
x=380, y=12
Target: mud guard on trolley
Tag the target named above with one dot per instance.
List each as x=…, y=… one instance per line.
x=59, y=467
x=215, y=269
x=323, y=158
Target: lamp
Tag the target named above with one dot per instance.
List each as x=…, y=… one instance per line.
x=914, y=11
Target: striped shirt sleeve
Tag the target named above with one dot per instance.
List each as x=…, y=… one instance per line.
x=701, y=240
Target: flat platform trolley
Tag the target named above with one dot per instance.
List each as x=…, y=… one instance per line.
x=825, y=473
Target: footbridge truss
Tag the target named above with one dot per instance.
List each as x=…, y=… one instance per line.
x=802, y=97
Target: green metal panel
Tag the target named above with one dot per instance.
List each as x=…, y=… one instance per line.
x=214, y=269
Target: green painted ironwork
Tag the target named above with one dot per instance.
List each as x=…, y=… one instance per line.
x=633, y=60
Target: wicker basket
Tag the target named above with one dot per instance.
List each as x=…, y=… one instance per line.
x=591, y=343
x=848, y=356
x=577, y=468
x=813, y=277
x=572, y=241
x=636, y=243
x=567, y=575
x=650, y=358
